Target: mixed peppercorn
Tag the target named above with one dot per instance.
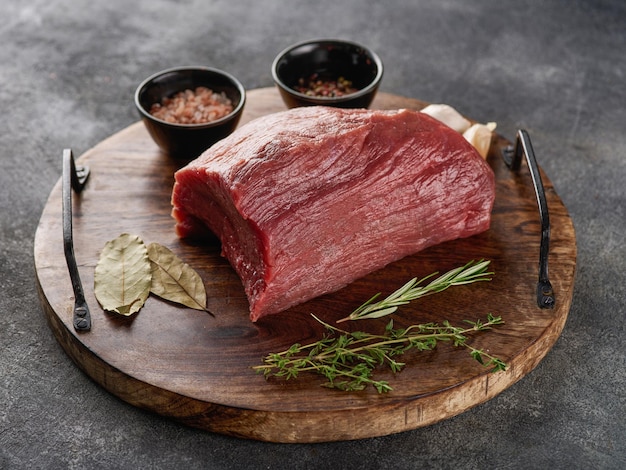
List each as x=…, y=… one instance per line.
x=315, y=86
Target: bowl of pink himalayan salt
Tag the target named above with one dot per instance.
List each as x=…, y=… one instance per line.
x=188, y=109
x=327, y=72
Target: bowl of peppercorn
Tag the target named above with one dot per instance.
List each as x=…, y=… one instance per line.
x=188, y=109
x=327, y=72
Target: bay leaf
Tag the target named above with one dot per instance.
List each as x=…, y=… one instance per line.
x=175, y=280
x=123, y=277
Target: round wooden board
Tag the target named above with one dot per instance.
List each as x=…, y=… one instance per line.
x=194, y=368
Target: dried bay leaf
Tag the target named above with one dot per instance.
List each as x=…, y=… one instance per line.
x=123, y=276
x=175, y=280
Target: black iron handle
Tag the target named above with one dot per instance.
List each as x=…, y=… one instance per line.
x=512, y=156
x=74, y=178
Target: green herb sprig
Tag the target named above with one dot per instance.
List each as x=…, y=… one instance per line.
x=347, y=359
x=412, y=290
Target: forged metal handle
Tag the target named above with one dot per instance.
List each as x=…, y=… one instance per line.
x=74, y=178
x=513, y=158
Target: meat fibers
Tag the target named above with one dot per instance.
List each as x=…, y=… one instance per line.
x=306, y=201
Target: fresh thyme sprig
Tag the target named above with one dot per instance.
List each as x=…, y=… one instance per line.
x=471, y=272
x=347, y=360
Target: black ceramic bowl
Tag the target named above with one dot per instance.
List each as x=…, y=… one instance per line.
x=187, y=141
x=328, y=59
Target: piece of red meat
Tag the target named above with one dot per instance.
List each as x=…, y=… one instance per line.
x=307, y=200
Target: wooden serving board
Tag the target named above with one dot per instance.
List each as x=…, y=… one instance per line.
x=189, y=366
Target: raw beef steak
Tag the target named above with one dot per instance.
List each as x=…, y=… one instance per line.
x=307, y=200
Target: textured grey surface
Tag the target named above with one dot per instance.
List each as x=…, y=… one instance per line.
x=557, y=68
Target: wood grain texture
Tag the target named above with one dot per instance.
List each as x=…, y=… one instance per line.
x=186, y=365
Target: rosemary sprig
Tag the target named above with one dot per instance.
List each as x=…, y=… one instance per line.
x=347, y=360
x=412, y=290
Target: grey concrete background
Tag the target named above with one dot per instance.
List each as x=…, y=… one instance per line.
x=557, y=68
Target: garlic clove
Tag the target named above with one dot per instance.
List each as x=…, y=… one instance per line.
x=449, y=116
x=479, y=135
